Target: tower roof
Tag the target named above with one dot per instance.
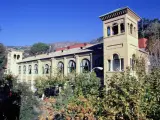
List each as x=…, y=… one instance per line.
x=118, y=12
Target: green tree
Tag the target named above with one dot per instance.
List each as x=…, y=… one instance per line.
x=38, y=48
x=3, y=60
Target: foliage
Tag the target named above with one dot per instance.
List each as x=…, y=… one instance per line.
x=41, y=83
x=149, y=29
x=3, y=60
x=38, y=48
x=27, y=101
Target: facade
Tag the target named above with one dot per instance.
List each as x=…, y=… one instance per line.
x=114, y=54
x=13, y=57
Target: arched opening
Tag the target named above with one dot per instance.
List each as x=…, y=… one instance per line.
x=18, y=57
x=19, y=69
x=116, y=62
x=29, y=69
x=115, y=29
x=99, y=63
x=46, y=69
x=131, y=28
x=61, y=67
x=71, y=66
x=24, y=69
x=36, y=69
x=85, y=65
x=134, y=30
x=108, y=31
x=14, y=56
x=122, y=28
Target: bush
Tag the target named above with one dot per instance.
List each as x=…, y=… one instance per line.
x=23, y=98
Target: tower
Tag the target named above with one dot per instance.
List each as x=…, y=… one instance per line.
x=120, y=42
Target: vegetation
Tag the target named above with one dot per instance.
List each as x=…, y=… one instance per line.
x=39, y=48
x=3, y=60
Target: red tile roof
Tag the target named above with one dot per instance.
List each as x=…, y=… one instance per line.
x=142, y=43
x=73, y=46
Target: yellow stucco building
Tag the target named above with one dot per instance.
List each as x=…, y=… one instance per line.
x=114, y=54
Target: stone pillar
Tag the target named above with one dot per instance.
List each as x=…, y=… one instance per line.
x=65, y=66
x=26, y=72
x=21, y=75
x=53, y=66
x=111, y=31
x=77, y=64
x=119, y=28
x=111, y=65
x=40, y=68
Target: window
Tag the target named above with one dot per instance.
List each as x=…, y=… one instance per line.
x=71, y=66
x=24, y=69
x=29, y=69
x=115, y=29
x=132, y=62
x=14, y=56
x=46, y=69
x=36, y=69
x=61, y=67
x=85, y=65
x=108, y=31
x=122, y=27
x=116, y=62
x=19, y=69
x=18, y=56
x=131, y=28
x=109, y=65
x=122, y=64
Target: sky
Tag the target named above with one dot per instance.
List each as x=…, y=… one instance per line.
x=25, y=22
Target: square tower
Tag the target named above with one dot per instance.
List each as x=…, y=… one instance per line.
x=120, y=39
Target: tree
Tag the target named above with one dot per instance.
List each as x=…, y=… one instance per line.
x=3, y=60
x=38, y=48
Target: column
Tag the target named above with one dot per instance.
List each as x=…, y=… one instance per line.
x=111, y=65
x=65, y=66
x=111, y=31
x=26, y=72
x=40, y=68
x=21, y=75
x=119, y=28
x=32, y=77
x=77, y=64
x=53, y=66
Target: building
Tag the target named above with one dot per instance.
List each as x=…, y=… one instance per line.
x=13, y=57
x=114, y=54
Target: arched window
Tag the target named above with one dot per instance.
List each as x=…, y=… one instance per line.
x=18, y=56
x=85, y=65
x=36, y=69
x=24, y=69
x=115, y=29
x=29, y=69
x=61, y=67
x=116, y=62
x=108, y=31
x=71, y=66
x=46, y=69
x=122, y=27
x=131, y=28
x=19, y=69
x=14, y=56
